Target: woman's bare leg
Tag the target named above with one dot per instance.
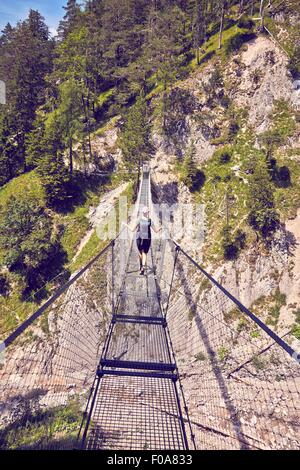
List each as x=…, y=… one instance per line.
x=144, y=259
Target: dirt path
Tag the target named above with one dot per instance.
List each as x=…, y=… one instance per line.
x=98, y=214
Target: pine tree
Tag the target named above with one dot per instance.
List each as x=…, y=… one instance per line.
x=262, y=214
x=165, y=47
x=191, y=175
x=134, y=140
x=68, y=115
x=200, y=25
x=35, y=143
x=52, y=170
x=70, y=20
x=222, y=6
x=25, y=60
x=25, y=236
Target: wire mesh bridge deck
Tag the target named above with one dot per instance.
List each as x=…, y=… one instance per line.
x=166, y=360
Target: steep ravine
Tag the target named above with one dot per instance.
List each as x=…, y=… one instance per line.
x=254, y=79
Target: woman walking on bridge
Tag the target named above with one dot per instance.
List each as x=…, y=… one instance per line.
x=143, y=237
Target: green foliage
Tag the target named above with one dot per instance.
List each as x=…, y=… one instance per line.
x=234, y=43
x=262, y=214
x=255, y=334
x=205, y=285
x=224, y=154
x=278, y=300
x=232, y=243
x=297, y=315
x=135, y=136
x=4, y=286
x=70, y=19
x=232, y=315
x=296, y=331
x=258, y=363
x=44, y=429
x=55, y=179
x=10, y=160
x=192, y=176
x=200, y=356
x=294, y=62
x=280, y=297
x=283, y=126
x=25, y=60
x=54, y=175
x=35, y=144
x=283, y=176
x=242, y=324
x=223, y=353
x=26, y=238
x=245, y=22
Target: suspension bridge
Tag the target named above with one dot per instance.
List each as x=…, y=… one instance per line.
x=169, y=360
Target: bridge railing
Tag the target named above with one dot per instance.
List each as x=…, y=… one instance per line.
x=239, y=371
x=48, y=364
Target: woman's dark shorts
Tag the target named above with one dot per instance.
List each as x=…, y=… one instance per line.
x=143, y=245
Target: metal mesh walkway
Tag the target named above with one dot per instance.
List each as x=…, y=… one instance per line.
x=136, y=403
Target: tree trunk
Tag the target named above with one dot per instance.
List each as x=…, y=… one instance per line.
x=71, y=155
x=221, y=22
x=88, y=121
x=84, y=157
x=262, y=13
x=164, y=105
x=252, y=8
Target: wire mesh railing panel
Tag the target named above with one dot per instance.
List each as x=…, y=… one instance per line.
x=138, y=342
x=47, y=371
x=135, y=413
x=242, y=388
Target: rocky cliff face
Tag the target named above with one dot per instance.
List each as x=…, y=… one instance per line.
x=253, y=79
x=207, y=334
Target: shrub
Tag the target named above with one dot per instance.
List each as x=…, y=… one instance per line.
x=27, y=240
x=283, y=176
x=192, y=176
x=4, y=286
x=297, y=314
x=225, y=101
x=232, y=245
x=245, y=22
x=294, y=63
x=296, y=331
x=222, y=353
x=258, y=363
x=262, y=214
x=225, y=157
x=233, y=128
x=234, y=43
x=200, y=356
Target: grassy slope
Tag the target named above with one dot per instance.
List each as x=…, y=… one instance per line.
x=55, y=428
x=220, y=177
x=13, y=309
